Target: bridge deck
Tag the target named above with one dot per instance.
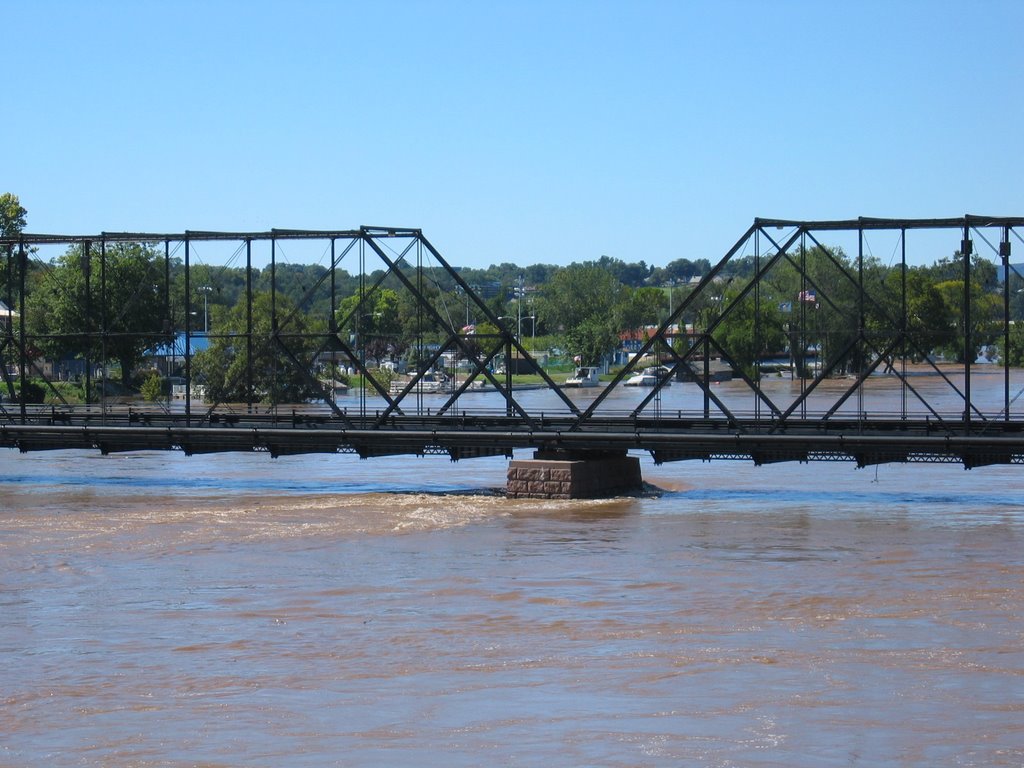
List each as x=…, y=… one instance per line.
x=666, y=438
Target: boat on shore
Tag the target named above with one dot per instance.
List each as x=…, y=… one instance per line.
x=649, y=377
x=430, y=384
x=584, y=377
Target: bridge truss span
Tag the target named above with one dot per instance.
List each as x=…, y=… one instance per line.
x=805, y=341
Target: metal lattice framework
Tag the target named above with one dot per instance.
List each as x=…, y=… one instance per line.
x=884, y=332
x=813, y=288
x=397, y=256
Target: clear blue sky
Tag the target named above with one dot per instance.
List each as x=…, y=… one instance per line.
x=511, y=131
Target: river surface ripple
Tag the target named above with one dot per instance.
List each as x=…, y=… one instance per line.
x=236, y=610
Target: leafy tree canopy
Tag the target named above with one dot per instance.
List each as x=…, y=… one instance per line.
x=12, y=215
x=104, y=311
x=224, y=368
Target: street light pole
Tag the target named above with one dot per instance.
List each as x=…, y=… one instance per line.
x=205, y=290
x=519, y=325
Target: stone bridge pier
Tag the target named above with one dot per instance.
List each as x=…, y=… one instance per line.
x=559, y=474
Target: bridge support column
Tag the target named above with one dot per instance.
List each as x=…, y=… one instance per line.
x=574, y=475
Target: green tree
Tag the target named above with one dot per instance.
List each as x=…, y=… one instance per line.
x=375, y=324
x=12, y=222
x=592, y=339
x=680, y=271
x=931, y=322
x=1015, y=354
x=12, y=216
x=224, y=368
x=579, y=292
x=631, y=274
x=639, y=307
x=107, y=306
x=152, y=388
x=819, y=286
x=580, y=302
x=750, y=331
x=986, y=309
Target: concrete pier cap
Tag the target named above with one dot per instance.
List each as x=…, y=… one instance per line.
x=559, y=474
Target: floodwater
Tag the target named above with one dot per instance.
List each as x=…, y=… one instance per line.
x=235, y=610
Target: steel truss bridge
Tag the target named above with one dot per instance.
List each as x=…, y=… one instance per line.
x=855, y=377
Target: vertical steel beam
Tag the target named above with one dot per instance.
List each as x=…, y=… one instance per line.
x=965, y=250
x=8, y=327
x=903, y=323
x=861, y=323
x=103, y=328
x=273, y=285
x=188, y=333
x=168, y=323
x=87, y=282
x=332, y=321
x=419, y=318
x=707, y=377
x=248, y=325
x=9, y=278
x=757, y=329
x=802, y=351
x=332, y=325
x=22, y=270
x=1004, y=253
x=273, y=315
x=359, y=350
